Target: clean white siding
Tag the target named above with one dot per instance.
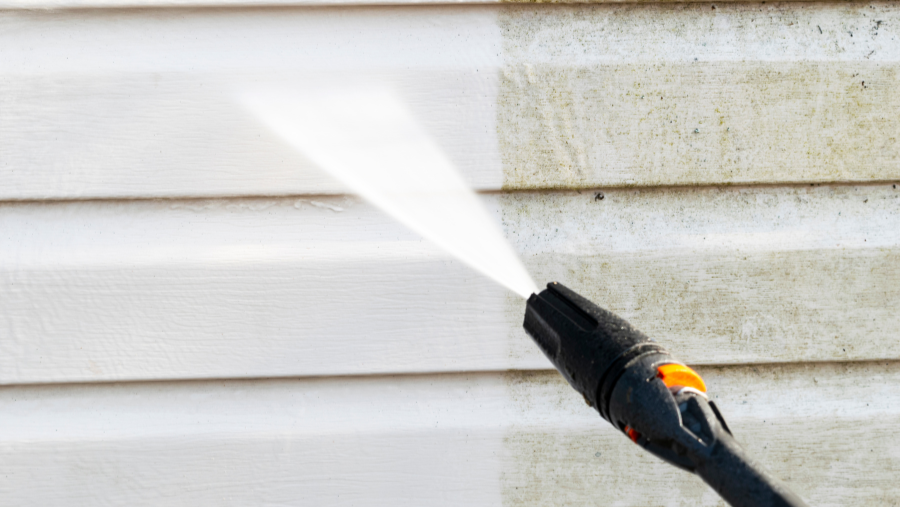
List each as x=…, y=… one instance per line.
x=193, y=315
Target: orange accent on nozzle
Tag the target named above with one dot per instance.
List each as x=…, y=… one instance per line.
x=680, y=375
x=632, y=434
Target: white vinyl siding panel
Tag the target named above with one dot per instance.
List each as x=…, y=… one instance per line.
x=477, y=439
x=132, y=290
x=136, y=103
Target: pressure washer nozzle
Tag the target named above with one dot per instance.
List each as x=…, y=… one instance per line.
x=654, y=399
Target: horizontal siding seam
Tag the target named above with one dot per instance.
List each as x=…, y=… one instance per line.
x=523, y=191
x=424, y=376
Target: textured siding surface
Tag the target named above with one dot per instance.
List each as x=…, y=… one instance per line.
x=193, y=314
x=136, y=103
x=483, y=439
x=224, y=288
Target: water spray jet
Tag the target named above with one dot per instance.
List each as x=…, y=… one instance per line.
x=367, y=139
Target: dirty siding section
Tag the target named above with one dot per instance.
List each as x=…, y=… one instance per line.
x=192, y=315
x=766, y=274
x=680, y=96
x=698, y=94
x=794, y=435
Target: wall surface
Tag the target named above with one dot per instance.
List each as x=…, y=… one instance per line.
x=193, y=314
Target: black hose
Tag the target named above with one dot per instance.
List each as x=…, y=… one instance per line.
x=741, y=481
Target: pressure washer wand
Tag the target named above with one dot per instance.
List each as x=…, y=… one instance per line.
x=649, y=395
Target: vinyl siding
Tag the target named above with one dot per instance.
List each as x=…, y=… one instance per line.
x=192, y=314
